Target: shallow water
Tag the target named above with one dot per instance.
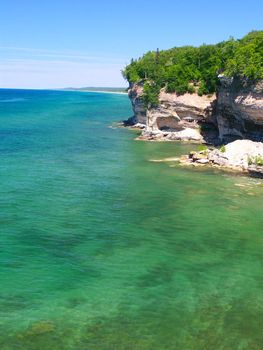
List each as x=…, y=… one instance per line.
x=100, y=248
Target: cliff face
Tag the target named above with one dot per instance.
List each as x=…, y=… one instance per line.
x=236, y=112
x=135, y=94
x=239, y=110
x=176, y=117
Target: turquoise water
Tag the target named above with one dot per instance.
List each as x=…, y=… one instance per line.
x=100, y=248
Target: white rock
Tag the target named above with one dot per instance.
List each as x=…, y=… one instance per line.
x=188, y=134
x=239, y=152
x=202, y=161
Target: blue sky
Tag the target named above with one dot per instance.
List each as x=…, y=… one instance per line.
x=59, y=43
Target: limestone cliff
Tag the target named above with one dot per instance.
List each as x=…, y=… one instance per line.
x=177, y=117
x=239, y=110
x=135, y=94
x=236, y=112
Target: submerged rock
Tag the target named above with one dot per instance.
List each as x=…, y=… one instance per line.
x=39, y=328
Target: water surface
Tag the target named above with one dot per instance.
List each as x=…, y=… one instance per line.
x=102, y=249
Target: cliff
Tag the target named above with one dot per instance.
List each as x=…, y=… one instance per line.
x=177, y=117
x=239, y=110
x=235, y=112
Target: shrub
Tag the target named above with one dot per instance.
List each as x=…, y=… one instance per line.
x=258, y=160
x=151, y=95
x=222, y=149
x=202, y=148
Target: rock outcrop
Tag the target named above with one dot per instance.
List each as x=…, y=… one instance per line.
x=135, y=95
x=236, y=112
x=239, y=110
x=177, y=117
x=240, y=155
x=187, y=134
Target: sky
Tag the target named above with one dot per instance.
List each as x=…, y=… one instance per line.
x=76, y=43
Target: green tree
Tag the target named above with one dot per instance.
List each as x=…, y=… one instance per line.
x=187, y=69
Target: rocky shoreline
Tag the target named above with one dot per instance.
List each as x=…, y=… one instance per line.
x=235, y=112
x=232, y=119
x=243, y=156
x=186, y=135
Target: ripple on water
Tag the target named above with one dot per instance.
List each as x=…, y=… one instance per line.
x=102, y=249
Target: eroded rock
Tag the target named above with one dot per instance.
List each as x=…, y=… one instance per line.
x=240, y=155
x=239, y=109
x=236, y=112
x=177, y=117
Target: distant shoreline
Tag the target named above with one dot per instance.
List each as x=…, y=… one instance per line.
x=71, y=90
x=103, y=92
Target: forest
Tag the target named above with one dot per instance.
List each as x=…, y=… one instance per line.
x=196, y=69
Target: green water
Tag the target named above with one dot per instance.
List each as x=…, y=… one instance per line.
x=100, y=248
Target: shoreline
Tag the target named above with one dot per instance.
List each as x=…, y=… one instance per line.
x=240, y=156
x=108, y=92
x=243, y=156
x=103, y=92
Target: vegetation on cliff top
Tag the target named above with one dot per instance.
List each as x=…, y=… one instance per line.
x=196, y=69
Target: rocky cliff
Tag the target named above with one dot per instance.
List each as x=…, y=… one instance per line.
x=239, y=110
x=236, y=112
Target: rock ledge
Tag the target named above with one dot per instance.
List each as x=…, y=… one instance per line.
x=241, y=155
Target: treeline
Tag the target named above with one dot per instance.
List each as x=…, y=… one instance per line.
x=196, y=69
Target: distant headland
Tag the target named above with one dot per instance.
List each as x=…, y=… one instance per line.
x=111, y=90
